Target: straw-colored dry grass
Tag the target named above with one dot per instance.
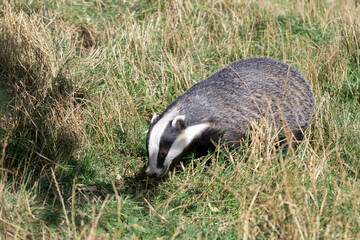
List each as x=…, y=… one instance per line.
x=81, y=79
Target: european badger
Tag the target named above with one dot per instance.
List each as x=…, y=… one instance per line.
x=221, y=106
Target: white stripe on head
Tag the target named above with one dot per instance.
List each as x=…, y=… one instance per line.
x=155, y=136
x=183, y=141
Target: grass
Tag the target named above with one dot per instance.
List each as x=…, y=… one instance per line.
x=80, y=81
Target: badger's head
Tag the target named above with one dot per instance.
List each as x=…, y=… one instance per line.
x=167, y=139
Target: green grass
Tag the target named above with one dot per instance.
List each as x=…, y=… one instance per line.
x=80, y=81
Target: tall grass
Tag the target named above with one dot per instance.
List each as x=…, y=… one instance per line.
x=81, y=79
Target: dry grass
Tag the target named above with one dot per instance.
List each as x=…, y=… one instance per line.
x=81, y=79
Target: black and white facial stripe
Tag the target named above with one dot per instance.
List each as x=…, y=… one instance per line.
x=167, y=139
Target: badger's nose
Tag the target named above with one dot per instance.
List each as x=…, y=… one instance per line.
x=150, y=173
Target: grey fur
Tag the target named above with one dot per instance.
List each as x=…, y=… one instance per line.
x=242, y=91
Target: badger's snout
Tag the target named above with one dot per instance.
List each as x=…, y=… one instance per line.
x=153, y=173
x=150, y=173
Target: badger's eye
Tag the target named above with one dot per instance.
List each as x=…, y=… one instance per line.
x=162, y=153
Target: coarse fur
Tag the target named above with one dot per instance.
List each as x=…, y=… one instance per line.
x=221, y=107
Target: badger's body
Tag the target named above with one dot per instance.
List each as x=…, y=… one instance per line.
x=221, y=106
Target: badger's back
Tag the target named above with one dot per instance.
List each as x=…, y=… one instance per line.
x=243, y=91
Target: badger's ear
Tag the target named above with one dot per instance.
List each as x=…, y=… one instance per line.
x=154, y=118
x=179, y=123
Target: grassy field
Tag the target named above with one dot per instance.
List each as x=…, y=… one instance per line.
x=81, y=79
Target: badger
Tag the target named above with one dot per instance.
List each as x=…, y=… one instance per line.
x=220, y=108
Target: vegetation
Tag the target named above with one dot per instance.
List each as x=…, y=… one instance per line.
x=80, y=81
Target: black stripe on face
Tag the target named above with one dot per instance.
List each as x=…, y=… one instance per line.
x=166, y=140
